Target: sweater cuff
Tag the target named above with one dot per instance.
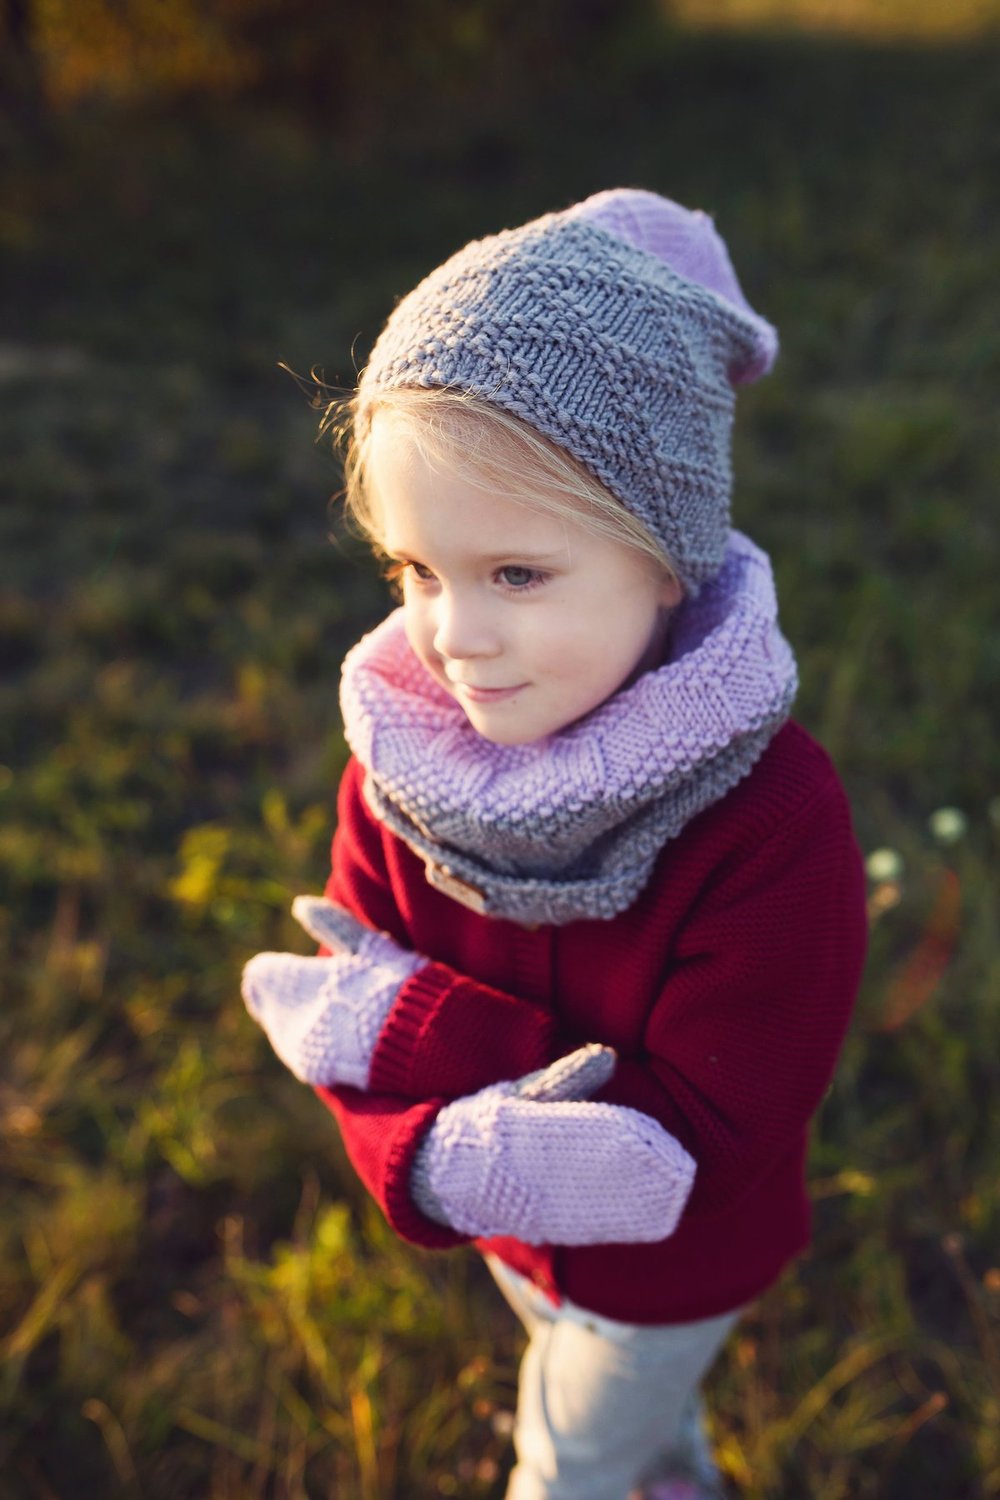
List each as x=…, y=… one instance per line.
x=449, y=1035
x=400, y=1208
x=418, y=1001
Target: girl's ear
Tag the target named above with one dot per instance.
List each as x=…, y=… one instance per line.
x=671, y=592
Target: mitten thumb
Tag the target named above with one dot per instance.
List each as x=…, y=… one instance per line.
x=578, y=1075
x=329, y=924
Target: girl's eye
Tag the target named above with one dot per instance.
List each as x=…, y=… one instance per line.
x=396, y=569
x=520, y=578
x=514, y=578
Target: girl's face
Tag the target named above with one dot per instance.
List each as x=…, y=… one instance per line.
x=528, y=620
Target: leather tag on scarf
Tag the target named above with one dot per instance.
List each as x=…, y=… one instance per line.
x=450, y=884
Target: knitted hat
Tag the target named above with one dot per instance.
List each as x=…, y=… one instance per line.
x=616, y=328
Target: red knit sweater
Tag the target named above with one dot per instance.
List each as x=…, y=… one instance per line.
x=726, y=989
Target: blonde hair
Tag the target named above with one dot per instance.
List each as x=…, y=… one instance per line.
x=467, y=436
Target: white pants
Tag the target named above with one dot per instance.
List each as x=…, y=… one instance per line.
x=603, y=1406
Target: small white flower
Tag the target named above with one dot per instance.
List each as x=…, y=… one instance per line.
x=884, y=864
x=502, y=1423
x=948, y=824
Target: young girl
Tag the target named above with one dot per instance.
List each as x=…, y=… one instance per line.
x=596, y=915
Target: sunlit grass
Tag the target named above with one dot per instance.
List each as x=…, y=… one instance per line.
x=923, y=21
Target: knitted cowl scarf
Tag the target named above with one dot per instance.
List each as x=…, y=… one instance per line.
x=569, y=827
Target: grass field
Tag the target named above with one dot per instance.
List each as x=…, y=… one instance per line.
x=195, y=1298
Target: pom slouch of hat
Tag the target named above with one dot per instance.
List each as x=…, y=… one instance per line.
x=616, y=328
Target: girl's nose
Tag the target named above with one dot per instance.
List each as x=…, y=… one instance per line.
x=462, y=628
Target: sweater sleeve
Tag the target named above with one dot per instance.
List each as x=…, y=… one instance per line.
x=742, y=1042
x=447, y=1035
x=382, y=1135
x=427, y=1053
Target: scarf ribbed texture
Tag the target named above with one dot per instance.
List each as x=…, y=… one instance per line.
x=569, y=827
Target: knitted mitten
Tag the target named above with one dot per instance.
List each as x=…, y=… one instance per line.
x=323, y=1016
x=529, y=1159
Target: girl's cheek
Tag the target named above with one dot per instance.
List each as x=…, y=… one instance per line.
x=416, y=628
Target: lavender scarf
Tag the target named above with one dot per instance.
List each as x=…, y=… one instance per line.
x=569, y=827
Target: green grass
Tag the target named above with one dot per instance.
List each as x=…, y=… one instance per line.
x=195, y=1298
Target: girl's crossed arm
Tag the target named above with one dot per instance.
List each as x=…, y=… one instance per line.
x=739, y=1045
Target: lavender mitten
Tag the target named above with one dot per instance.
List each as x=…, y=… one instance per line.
x=537, y=1160
x=323, y=1016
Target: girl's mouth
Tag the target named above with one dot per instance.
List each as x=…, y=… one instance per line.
x=487, y=695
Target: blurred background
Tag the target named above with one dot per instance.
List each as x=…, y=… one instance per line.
x=195, y=1298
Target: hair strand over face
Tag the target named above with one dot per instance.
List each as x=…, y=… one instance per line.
x=467, y=436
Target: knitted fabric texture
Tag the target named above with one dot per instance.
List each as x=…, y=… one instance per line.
x=686, y=240
x=551, y=1169
x=570, y=826
x=623, y=359
x=323, y=1016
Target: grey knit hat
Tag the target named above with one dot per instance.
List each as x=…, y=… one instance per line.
x=616, y=328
